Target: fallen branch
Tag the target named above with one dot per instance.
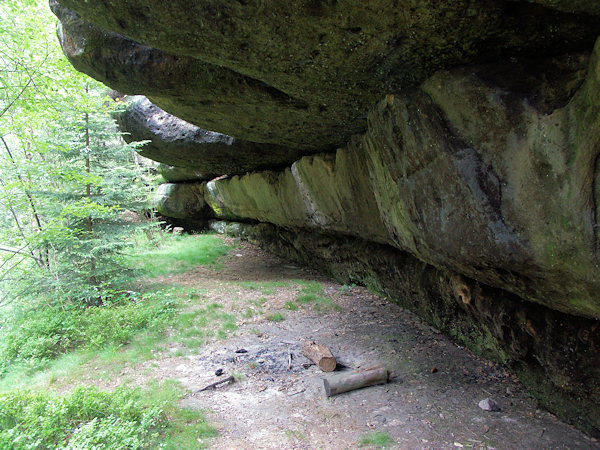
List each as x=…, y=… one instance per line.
x=348, y=381
x=215, y=384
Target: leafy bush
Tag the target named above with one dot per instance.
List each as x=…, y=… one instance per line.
x=41, y=334
x=83, y=419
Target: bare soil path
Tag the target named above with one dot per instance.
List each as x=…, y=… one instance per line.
x=431, y=401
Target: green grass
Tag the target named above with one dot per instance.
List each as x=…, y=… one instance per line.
x=376, y=439
x=195, y=327
x=265, y=287
x=275, y=317
x=180, y=253
x=87, y=418
x=291, y=306
x=311, y=293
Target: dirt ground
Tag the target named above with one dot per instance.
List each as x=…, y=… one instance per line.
x=279, y=401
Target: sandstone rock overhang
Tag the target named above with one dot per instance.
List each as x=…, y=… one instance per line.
x=202, y=153
x=445, y=153
x=302, y=74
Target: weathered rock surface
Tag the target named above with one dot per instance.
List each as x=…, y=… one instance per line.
x=458, y=145
x=576, y=6
x=327, y=191
x=181, y=201
x=300, y=74
x=509, y=203
x=178, y=174
x=178, y=143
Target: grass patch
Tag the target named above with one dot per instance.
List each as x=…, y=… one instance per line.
x=265, y=287
x=180, y=253
x=88, y=418
x=275, y=317
x=194, y=328
x=378, y=439
x=311, y=293
x=291, y=306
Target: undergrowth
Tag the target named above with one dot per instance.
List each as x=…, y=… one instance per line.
x=38, y=334
x=87, y=418
x=45, y=339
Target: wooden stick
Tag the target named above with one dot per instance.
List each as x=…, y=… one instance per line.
x=348, y=381
x=215, y=384
x=320, y=355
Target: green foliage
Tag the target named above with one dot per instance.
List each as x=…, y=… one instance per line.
x=36, y=336
x=83, y=419
x=87, y=418
x=66, y=176
x=182, y=253
x=378, y=439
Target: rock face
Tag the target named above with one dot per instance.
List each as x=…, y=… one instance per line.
x=301, y=74
x=207, y=154
x=181, y=201
x=463, y=174
x=445, y=153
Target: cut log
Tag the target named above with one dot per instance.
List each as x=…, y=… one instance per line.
x=320, y=355
x=348, y=381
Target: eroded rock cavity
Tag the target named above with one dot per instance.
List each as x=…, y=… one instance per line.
x=444, y=153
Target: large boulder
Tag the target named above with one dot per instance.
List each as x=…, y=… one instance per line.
x=204, y=154
x=300, y=74
x=496, y=182
x=181, y=201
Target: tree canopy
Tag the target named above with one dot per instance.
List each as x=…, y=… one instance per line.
x=67, y=179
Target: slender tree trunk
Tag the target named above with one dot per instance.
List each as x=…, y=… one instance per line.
x=30, y=199
x=21, y=230
x=88, y=189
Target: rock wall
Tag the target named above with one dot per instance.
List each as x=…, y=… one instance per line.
x=470, y=177
x=444, y=153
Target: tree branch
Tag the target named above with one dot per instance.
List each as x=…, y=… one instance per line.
x=18, y=251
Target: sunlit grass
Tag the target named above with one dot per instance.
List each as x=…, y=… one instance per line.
x=180, y=253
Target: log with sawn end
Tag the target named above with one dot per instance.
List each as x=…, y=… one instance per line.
x=320, y=355
x=356, y=379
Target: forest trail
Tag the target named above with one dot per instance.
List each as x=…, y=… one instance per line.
x=278, y=400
